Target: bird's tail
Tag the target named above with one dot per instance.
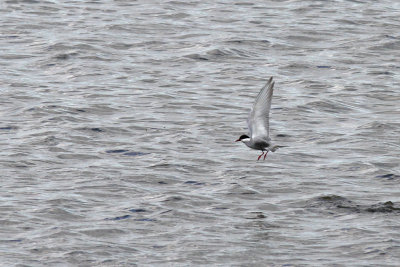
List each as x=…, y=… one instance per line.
x=274, y=148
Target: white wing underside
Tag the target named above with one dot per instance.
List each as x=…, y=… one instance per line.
x=258, y=120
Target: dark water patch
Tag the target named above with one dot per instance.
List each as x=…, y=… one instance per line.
x=328, y=106
x=173, y=198
x=247, y=42
x=158, y=247
x=389, y=176
x=256, y=215
x=299, y=66
x=194, y=183
x=220, y=208
x=31, y=1
x=97, y=130
x=381, y=73
x=65, y=56
x=197, y=57
x=243, y=4
x=7, y=128
x=127, y=216
x=324, y=67
x=215, y=54
x=11, y=241
x=137, y=210
x=332, y=202
x=118, y=218
x=391, y=37
x=386, y=207
x=377, y=126
x=135, y=154
x=145, y=220
x=116, y=151
x=390, y=45
x=335, y=203
x=166, y=211
x=249, y=193
x=282, y=135
x=162, y=182
x=126, y=152
x=62, y=56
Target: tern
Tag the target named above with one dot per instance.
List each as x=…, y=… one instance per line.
x=258, y=122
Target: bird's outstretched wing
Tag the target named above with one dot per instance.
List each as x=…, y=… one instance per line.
x=258, y=120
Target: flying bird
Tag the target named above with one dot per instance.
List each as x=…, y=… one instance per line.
x=258, y=122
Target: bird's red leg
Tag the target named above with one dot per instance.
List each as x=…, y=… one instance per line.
x=265, y=155
x=260, y=155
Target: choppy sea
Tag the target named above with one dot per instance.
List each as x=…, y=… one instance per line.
x=118, y=121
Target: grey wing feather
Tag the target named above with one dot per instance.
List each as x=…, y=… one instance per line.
x=258, y=120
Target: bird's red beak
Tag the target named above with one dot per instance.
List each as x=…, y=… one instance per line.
x=237, y=140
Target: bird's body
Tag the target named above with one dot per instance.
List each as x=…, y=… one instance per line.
x=258, y=122
x=258, y=144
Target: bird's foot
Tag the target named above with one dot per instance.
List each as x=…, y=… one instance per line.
x=265, y=154
x=260, y=155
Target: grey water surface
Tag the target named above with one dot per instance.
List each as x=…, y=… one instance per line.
x=118, y=120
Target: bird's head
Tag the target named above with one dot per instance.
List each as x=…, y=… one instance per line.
x=243, y=138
